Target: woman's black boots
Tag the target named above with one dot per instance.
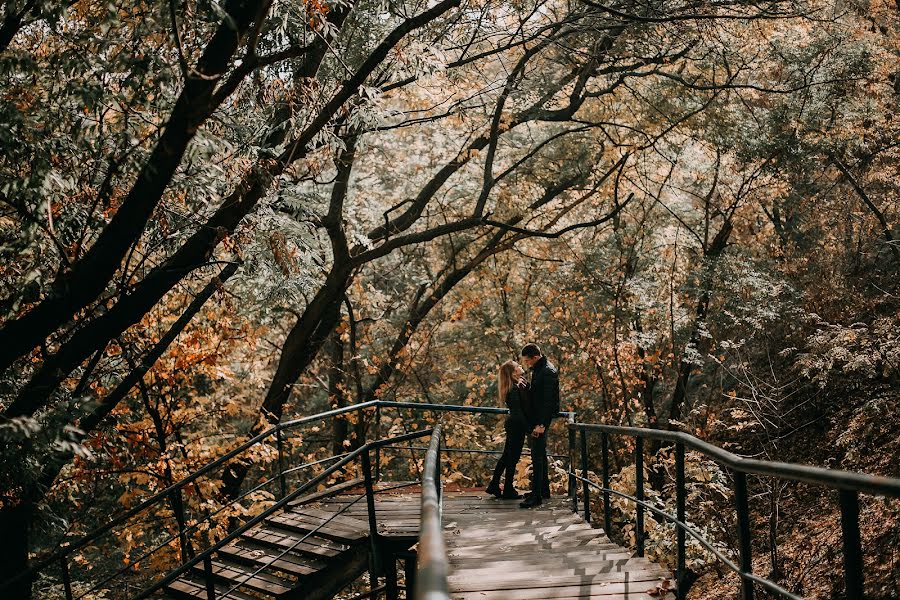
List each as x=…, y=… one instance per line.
x=493, y=487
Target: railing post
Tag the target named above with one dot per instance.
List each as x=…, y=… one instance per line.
x=607, y=509
x=573, y=490
x=585, y=488
x=281, y=480
x=437, y=477
x=377, y=448
x=743, y=515
x=639, y=483
x=374, y=563
x=409, y=574
x=208, y=575
x=853, y=557
x=680, y=494
x=67, y=581
x=390, y=579
x=177, y=502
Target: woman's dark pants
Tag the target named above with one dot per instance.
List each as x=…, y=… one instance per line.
x=512, y=452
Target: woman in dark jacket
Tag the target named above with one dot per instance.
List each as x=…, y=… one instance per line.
x=513, y=390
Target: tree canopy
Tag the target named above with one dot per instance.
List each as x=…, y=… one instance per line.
x=215, y=216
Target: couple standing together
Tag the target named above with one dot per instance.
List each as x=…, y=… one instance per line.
x=532, y=405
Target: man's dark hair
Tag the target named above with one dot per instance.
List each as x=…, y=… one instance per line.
x=531, y=350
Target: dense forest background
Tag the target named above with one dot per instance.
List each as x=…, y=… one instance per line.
x=215, y=216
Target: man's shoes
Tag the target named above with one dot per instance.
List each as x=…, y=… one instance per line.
x=530, y=502
x=544, y=496
x=512, y=495
x=494, y=490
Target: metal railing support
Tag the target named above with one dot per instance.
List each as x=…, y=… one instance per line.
x=639, y=483
x=186, y=551
x=377, y=426
x=680, y=496
x=585, y=490
x=573, y=490
x=67, y=580
x=282, y=483
x=374, y=562
x=853, y=556
x=208, y=578
x=743, y=516
x=607, y=509
x=390, y=579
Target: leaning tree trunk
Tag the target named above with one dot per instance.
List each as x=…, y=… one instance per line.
x=15, y=528
x=685, y=367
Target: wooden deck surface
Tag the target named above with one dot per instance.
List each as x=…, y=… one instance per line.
x=500, y=551
x=497, y=550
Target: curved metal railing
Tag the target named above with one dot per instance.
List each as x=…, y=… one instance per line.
x=62, y=556
x=362, y=452
x=849, y=486
x=275, y=435
x=433, y=577
x=432, y=564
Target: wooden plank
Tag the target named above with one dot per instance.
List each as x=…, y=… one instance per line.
x=234, y=574
x=327, y=492
x=558, y=594
x=343, y=518
x=550, y=570
x=284, y=540
x=189, y=589
x=535, y=591
x=257, y=554
x=324, y=529
x=505, y=580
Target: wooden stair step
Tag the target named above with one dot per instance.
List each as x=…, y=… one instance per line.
x=533, y=558
x=321, y=527
x=532, y=547
x=549, y=534
x=258, y=554
x=344, y=519
x=327, y=492
x=189, y=588
x=235, y=573
x=555, y=569
x=280, y=538
x=501, y=580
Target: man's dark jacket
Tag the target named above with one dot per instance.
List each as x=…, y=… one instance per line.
x=544, y=392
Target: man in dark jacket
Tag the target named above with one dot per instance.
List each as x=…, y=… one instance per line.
x=544, y=406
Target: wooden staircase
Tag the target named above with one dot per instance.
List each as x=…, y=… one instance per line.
x=301, y=552
x=496, y=550
x=499, y=552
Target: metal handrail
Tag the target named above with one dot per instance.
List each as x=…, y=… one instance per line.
x=164, y=494
x=173, y=575
x=860, y=482
x=432, y=564
x=771, y=586
x=194, y=527
x=61, y=555
x=305, y=537
x=848, y=484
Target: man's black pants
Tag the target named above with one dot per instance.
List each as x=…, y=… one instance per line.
x=540, y=475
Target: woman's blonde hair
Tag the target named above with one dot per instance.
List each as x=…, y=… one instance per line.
x=506, y=379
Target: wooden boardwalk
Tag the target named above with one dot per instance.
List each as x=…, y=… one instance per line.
x=496, y=550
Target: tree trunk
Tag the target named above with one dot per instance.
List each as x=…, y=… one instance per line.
x=337, y=396
x=15, y=526
x=685, y=368
x=89, y=276
x=52, y=466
